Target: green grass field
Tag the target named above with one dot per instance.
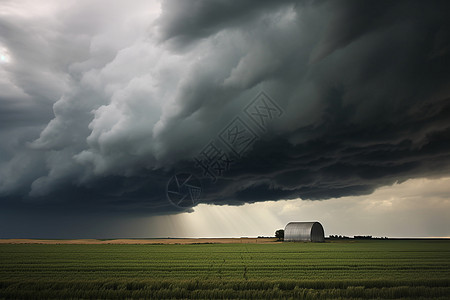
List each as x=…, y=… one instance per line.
x=344, y=269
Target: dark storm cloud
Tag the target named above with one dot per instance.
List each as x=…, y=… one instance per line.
x=191, y=20
x=363, y=86
x=343, y=163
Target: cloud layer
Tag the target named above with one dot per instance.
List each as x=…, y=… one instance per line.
x=99, y=108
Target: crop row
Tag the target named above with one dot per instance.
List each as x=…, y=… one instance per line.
x=228, y=289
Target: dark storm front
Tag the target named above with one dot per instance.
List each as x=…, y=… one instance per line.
x=234, y=141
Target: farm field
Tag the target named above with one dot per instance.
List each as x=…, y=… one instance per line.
x=338, y=269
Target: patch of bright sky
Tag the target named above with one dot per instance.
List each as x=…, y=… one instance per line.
x=4, y=55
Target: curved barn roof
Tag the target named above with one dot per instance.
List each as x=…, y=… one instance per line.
x=304, y=231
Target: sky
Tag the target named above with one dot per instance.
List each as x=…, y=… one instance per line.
x=224, y=118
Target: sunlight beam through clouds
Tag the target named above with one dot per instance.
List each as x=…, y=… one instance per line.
x=415, y=208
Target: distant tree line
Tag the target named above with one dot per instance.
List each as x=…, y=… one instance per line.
x=338, y=237
x=356, y=237
x=362, y=237
x=369, y=237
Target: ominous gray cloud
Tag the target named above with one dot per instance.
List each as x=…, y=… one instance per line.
x=100, y=103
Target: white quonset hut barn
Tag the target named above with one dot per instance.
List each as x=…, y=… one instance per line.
x=304, y=232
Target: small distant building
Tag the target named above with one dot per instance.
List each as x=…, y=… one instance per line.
x=304, y=232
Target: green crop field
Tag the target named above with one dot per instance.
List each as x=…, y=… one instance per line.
x=342, y=269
